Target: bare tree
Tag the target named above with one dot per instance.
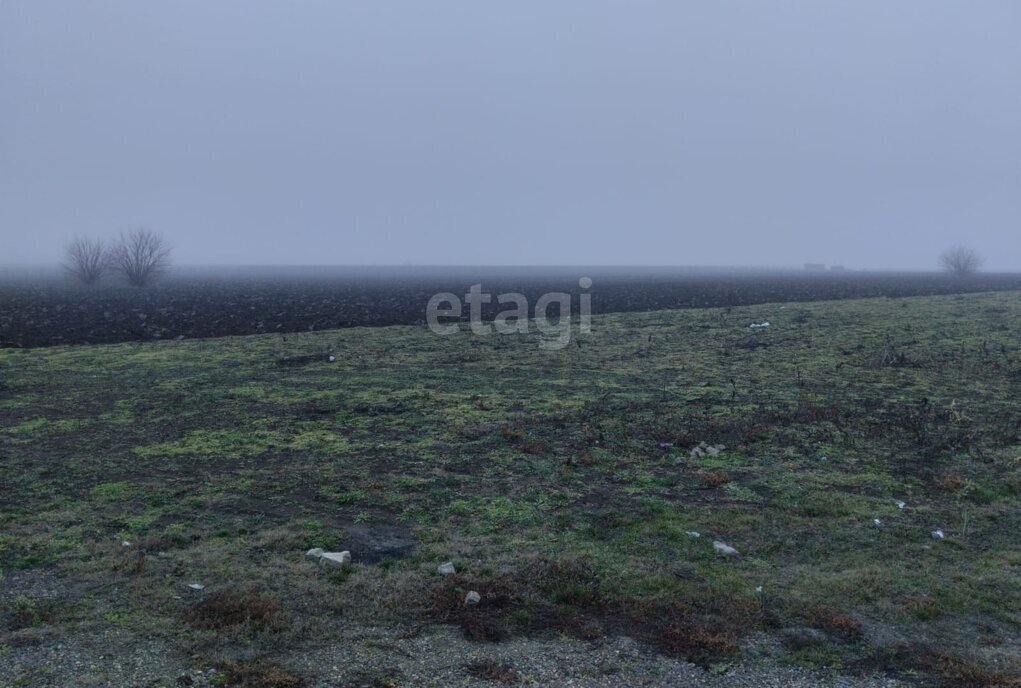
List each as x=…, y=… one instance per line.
x=961, y=260
x=141, y=256
x=86, y=259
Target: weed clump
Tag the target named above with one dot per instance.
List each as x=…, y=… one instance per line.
x=30, y=612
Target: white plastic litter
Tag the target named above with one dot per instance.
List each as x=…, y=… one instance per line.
x=723, y=548
x=335, y=558
x=757, y=326
x=938, y=535
x=196, y=586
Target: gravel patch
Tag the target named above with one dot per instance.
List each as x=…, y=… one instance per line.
x=434, y=656
x=439, y=655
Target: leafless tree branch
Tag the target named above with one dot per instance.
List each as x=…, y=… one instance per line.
x=961, y=260
x=141, y=256
x=86, y=260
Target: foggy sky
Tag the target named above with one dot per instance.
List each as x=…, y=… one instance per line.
x=866, y=132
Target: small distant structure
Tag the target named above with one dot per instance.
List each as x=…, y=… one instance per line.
x=837, y=268
x=815, y=267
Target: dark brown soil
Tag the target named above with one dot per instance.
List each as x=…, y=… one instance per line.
x=43, y=311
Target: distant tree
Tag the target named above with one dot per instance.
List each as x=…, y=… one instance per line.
x=140, y=256
x=961, y=260
x=86, y=260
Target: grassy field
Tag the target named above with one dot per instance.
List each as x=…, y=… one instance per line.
x=565, y=486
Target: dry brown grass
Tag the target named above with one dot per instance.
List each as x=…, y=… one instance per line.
x=544, y=594
x=398, y=597
x=834, y=622
x=491, y=670
x=942, y=668
x=923, y=607
x=382, y=678
x=696, y=641
x=954, y=671
x=586, y=459
x=512, y=433
x=259, y=673
x=534, y=448
x=567, y=597
x=951, y=482
x=715, y=479
x=699, y=636
x=224, y=609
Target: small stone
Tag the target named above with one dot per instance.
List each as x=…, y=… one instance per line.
x=472, y=598
x=938, y=535
x=704, y=449
x=196, y=586
x=315, y=553
x=126, y=543
x=723, y=548
x=446, y=569
x=332, y=359
x=335, y=558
